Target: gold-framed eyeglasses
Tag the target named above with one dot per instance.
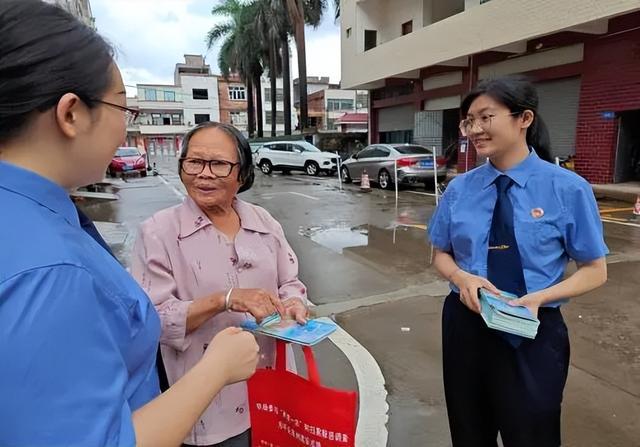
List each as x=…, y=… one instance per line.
x=195, y=166
x=483, y=121
x=130, y=114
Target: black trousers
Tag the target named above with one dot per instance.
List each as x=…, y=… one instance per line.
x=492, y=387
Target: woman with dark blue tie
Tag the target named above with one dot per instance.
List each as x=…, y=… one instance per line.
x=511, y=224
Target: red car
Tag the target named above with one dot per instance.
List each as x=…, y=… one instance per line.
x=127, y=160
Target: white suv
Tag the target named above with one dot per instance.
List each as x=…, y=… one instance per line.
x=287, y=156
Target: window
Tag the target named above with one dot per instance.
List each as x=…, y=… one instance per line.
x=279, y=118
x=279, y=95
x=238, y=118
x=348, y=32
x=366, y=153
x=176, y=119
x=170, y=96
x=370, y=39
x=407, y=27
x=339, y=104
x=331, y=124
x=362, y=100
x=201, y=118
x=166, y=119
x=379, y=152
x=150, y=95
x=237, y=93
x=200, y=93
x=156, y=119
x=278, y=147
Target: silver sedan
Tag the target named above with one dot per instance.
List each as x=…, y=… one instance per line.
x=414, y=165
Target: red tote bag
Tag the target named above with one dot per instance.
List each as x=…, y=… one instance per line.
x=290, y=411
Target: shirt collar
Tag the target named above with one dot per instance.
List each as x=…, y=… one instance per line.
x=519, y=173
x=193, y=219
x=38, y=189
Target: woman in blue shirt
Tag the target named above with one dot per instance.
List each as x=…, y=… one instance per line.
x=78, y=336
x=511, y=224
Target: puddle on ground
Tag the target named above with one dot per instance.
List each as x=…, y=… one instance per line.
x=337, y=238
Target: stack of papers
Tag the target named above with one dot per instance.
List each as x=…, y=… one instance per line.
x=499, y=315
x=307, y=334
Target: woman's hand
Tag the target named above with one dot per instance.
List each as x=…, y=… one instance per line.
x=257, y=302
x=235, y=352
x=296, y=310
x=468, y=285
x=531, y=301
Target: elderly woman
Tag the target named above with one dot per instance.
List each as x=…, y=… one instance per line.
x=211, y=263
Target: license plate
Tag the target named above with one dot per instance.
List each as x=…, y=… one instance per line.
x=426, y=164
x=127, y=168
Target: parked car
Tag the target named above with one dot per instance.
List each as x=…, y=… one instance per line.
x=415, y=165
x=287, y=156
x=127, y=160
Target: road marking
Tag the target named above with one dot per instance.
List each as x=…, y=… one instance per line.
x=615, y=210
x=303, y=195
x=628, y=224
x=422, y=193
x=175, y=190
x=270, y=195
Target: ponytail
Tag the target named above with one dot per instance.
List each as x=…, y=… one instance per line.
x=538, y=138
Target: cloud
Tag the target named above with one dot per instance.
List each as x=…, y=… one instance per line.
x=151, y=36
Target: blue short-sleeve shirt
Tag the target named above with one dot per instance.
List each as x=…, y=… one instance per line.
x=78, y=336
x=556, y=218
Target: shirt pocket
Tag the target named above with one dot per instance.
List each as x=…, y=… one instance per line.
x=541, y=237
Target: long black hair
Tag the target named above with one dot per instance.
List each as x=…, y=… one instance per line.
x=45, y=53
x=518, y=94
x=246, y=176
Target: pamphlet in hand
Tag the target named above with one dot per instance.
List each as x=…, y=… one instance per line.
x=309, y=334
x=499, y=315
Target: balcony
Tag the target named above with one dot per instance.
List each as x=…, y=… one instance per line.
x=493, y=25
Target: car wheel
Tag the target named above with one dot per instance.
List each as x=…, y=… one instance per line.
x=111, y=173
x=312, y=168
x=384, y=180
x=143, y=173
x=345, y=175
x=266, y=167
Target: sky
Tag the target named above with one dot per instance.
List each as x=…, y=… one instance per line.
x=151, y=36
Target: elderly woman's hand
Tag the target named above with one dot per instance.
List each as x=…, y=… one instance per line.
x=296, y=310
x=257, y=302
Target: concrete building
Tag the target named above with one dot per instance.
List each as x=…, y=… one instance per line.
x=79, y=8
x=168, y=111
x=419, y=57
x=233, y=102
x=266, y=107
x=329, y=105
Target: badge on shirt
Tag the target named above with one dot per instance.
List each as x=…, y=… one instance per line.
x=537, y=213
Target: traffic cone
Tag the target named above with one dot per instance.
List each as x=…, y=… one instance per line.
x=365, y=185
x=636, y=208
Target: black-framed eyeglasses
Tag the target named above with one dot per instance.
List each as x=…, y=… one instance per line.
x=195, y=166
x=484, y=121
x=130, y=114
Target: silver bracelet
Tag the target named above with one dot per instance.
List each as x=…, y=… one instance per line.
x=227, y=300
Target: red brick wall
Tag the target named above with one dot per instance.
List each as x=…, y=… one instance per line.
x=610, y=83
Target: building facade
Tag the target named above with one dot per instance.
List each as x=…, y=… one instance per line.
x=168, y=111
x=233, y=102
x=583, y=55
x=328, y=106
x=266, y=107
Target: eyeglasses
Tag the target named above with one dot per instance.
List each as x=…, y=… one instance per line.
x=195, y=166
x=130, y=114
x=484, y=121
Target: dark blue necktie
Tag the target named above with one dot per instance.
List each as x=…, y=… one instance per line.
x=504, y=266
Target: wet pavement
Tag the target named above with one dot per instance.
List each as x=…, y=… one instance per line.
x=368, y=265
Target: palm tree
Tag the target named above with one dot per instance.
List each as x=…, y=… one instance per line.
x=238, y=52
x=303, y=12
